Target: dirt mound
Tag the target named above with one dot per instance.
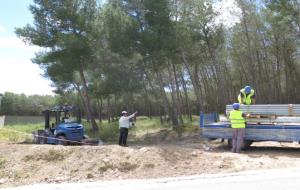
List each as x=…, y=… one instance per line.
x=27, y=164
x=158, y=137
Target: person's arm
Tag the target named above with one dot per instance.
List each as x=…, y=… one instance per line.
x=244, y=115
x=132, y=115
x=253, y=99
x=241, y=98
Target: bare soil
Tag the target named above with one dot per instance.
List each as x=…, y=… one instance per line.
x=155, y=156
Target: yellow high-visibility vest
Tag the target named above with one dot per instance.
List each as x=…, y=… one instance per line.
x=246, y=99
x=237, y=120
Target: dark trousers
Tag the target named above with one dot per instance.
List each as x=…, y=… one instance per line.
x=123, y=136
x=237, y=139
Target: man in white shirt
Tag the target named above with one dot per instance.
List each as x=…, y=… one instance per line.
x=124, y=126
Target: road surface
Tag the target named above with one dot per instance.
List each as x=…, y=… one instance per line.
x=251, y=180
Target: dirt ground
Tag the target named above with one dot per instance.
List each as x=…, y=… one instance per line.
x=22, y=164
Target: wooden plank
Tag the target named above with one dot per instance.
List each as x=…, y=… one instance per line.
x=258, y=116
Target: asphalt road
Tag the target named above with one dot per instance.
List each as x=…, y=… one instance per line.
x=251, y=180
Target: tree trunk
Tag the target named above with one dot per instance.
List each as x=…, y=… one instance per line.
x=193, y=80
x=108, y=110
x=174, y=102
x=166, y=102
x=147, y=100
x=157, y=98
x=183, y=83
x=218, y=74
x=251, y=66
x=76, y=86
x=178, y=102
x=115, y=112
x=100, y=107
x=87, y=100
x=160, y=115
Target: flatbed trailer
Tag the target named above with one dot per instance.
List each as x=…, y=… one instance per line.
x=282, y=125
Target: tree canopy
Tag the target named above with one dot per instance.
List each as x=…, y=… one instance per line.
x=166, y=58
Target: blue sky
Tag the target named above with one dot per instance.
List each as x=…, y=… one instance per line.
x=17, y=73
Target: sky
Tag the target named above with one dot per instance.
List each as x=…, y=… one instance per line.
x=229, y=12
x=18, y=74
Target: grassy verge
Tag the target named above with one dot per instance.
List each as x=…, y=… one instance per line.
x=108, y=132
x=17, y=133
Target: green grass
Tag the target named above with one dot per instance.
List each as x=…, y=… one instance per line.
x=17, y=133
x=108, y=132
x=22, y=120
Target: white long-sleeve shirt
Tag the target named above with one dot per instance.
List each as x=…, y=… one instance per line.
x=124, y=121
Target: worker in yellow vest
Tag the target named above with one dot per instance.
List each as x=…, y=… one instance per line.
x=238, y=125
x=247, y=96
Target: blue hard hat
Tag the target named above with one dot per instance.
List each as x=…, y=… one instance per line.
x=236, y=106
x=247, y=89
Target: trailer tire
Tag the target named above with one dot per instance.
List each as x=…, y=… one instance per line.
x=62, y=140
x=40, y=137
x=246, y=144
x=85, y=137
x=34, y=137
x=211, y=139
x=229, y=143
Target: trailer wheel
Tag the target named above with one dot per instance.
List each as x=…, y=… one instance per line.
x=229, y=143
x=62, y=140
x=41, y=140
x=85, y=137
x=34, y=137
x=247, y=144
x=40, y=137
